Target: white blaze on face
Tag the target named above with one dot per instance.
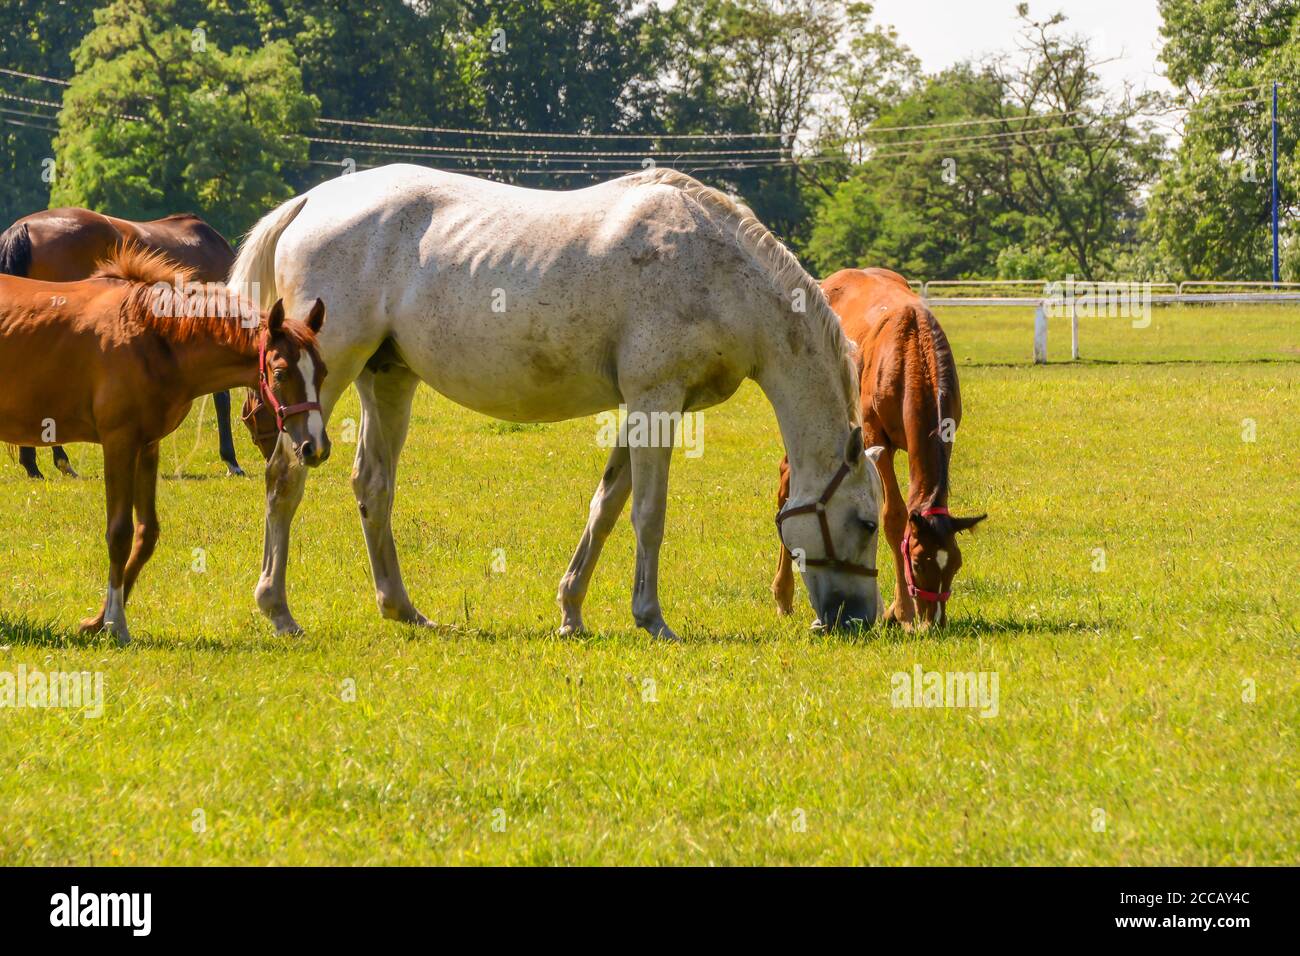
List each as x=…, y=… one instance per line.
x=315, y=424
x=942, y=557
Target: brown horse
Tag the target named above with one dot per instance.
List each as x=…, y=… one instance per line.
x=64, y=245
x=141, y=350
x=910, y=400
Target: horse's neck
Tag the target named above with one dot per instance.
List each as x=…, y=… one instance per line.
x=208, y=365
x=805, y=390
x=927, y=485
x=927, y=455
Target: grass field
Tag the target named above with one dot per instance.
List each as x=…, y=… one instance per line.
x=1148, y=713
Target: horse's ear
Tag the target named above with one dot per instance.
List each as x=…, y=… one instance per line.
x=853, y=450
x=965, y=524
x=275, y=318
x=316, y=318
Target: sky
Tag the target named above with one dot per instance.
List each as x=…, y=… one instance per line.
x=943, y=32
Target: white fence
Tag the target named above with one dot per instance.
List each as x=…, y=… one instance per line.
x=1097, y=297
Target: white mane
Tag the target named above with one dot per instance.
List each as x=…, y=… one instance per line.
x=777, y=262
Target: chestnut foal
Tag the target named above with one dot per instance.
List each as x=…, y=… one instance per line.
x=118, y=358
x=64, y=245
x=910, y=400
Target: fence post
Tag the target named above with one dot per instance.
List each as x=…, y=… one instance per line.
x=1074, y=330
x=1040, y=334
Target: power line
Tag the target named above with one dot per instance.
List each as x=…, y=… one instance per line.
x=35, y=76
x=14, y=122
x=461, y=131
x=28, y=99
x=7, y=109
x=509, y=151
x=872, y=130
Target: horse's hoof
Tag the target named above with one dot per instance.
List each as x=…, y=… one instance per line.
x=66, y=468
x=571, y=629
x=661, y=632
x=894, y=616
x=289, y=628
x=234, y=471
x=35, y=476
x=92, y=625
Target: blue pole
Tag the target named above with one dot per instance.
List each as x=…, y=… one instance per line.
x=1277, y=273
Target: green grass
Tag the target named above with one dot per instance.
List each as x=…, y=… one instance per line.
x=1176, y=333
x=1120, y=691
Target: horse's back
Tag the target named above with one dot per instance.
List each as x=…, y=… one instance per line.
x=68, y=243
x=866, y=300
x=520, y=303
x=887, y=320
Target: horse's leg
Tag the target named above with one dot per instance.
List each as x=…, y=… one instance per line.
x=385, y=414
x=61, y=461
x=27, y=458
x=783, y=583
x=226, y=441
x=147, y=527
x=286, y=478
x=119, y=492
x=894, y=519
x=649, y=506
x=606, y=505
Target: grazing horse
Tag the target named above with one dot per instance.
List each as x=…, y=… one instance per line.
x=651, y=291
x=910, y=400
x=63, y=245
x=143, y=353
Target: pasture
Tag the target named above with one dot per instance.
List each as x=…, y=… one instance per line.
x=1148, y=712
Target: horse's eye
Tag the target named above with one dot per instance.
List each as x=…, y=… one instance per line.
x=279, y=375
x=869, y=525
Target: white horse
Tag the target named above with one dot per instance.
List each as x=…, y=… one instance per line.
x=651, y=291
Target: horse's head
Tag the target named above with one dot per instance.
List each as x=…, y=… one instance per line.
x=290, y=375
x=833, y=539
x=931, y=559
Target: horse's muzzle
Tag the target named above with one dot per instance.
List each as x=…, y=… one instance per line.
x=311, y=454
x=845, y=614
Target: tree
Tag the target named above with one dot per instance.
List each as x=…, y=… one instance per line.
x=1030, y=157
x=1210, y=212
x=158, y=120
x=36, y=39
x=941, y=210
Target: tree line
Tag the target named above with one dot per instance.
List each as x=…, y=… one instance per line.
x=1020, y=165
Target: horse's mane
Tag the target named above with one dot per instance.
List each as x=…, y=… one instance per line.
x=938, y=367
x=166, y=298
x=778, y=263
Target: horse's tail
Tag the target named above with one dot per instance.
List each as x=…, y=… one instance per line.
x=15, y=250
x=253, y=273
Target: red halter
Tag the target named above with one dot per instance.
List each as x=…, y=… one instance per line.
x=912, y=589
x=264, y=385
x=818, y=508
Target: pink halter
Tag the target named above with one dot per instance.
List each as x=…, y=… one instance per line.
x=912, y=589
x=264, y=384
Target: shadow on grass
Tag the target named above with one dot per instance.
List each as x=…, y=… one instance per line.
x=19, y=629
x=188, y=477
x=23, y=630
x=965, y=628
